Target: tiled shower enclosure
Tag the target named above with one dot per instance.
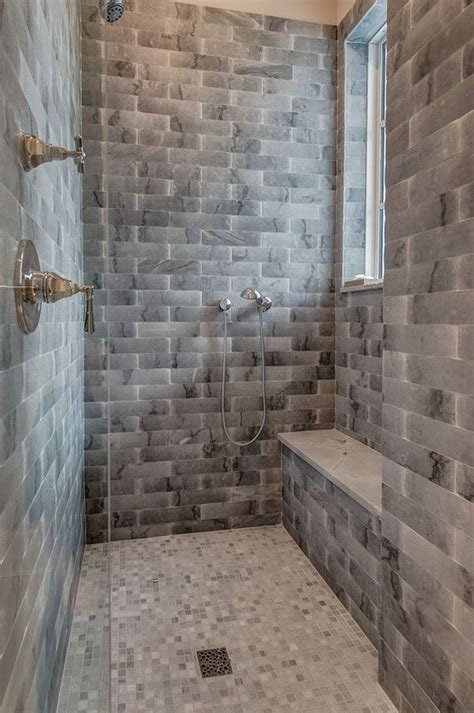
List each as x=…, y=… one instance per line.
x=215, y=134
x=228, y=149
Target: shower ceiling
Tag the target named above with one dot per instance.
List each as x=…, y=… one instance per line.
x=329, y=12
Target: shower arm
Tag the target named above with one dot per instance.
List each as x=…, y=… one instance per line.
x=36, y=152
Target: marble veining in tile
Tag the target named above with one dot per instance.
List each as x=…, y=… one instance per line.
x=352, y=466
x=41, y=374
x=220, y=176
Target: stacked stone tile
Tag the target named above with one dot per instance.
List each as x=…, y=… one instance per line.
x=214, y=133
x=339, y=535
x=359, y=318
x=428, y=444
x=41, y=387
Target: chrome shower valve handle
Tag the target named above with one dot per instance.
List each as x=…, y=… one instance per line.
x=52, y=288
x=35, y=287
x=36, y=152
x=89, y=321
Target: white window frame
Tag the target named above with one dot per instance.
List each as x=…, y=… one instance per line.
x=376, y=154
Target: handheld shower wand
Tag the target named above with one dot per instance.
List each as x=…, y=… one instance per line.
x=263, y=305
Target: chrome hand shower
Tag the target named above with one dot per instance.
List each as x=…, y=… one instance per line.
x=263, y=305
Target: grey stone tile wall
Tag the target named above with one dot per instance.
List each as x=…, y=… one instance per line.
x=340, y=537
x=215, y=133
x=41, y=379
x=359, y=315
x=359, y=332
x=428, y=368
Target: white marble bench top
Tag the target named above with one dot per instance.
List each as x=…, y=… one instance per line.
x=353, y=467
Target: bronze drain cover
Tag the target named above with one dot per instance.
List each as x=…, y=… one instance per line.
x=214, y=662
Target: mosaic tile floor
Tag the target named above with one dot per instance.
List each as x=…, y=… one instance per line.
x=293, y=647
x=86, y=671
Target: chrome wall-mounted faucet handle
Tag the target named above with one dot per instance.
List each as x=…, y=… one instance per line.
x=35, y=152
x=50, y=287
x=89, y=321
x=34, y=287
x=79, y=154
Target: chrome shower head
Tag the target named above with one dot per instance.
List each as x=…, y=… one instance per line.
x=113, y=10
x=263, y=303
x=250, y=294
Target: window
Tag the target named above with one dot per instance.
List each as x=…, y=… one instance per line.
x=364, y=137
x=376, y=154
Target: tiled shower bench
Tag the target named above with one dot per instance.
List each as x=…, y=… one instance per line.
x=332, y=493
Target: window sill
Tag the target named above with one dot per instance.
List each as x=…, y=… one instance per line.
x=362, y=286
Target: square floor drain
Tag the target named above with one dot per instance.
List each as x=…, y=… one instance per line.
x=214, y=662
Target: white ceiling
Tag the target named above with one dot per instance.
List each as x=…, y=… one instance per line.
x=329, y=12
x=343, y=7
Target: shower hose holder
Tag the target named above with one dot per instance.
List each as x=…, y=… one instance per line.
x=34, y=286
x=225, y=304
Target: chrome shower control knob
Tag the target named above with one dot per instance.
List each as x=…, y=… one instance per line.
x=225, y=304
x=34, y=286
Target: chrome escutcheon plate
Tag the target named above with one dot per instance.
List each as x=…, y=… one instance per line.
x=27, y=262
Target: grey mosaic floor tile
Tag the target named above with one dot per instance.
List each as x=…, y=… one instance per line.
x=85, y=684
x=293, y=646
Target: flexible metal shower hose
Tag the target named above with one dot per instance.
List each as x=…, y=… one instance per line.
x=264, y=384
